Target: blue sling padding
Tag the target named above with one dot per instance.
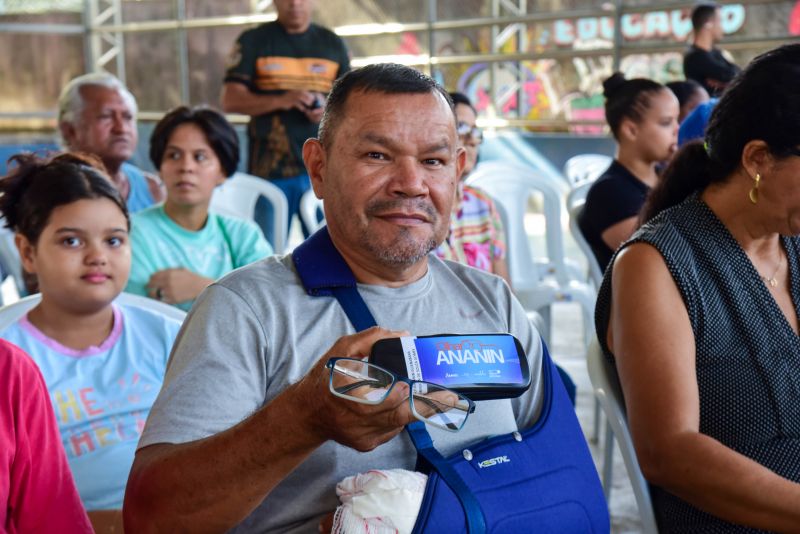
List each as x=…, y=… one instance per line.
x=321, y=268
x=324, y=272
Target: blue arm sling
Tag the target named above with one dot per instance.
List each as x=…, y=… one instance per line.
x=543, y=476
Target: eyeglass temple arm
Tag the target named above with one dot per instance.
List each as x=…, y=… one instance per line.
x=361, y=383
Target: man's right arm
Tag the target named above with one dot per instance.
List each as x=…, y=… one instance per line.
x=212, y=484
x=238, y=98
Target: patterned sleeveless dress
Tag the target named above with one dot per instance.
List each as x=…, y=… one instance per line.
x=747, y=355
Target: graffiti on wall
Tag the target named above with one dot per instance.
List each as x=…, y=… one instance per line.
x=794, y=19
x=675, y=25
x=663, y=68
x=571, y=88
x=541, y=98
x=475, y=82
x=582, y=102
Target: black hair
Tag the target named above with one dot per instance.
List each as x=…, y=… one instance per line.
x=461, y=98
x=761, y=103
x=627, y=99
x=683, y=90
x=221, y=136
x=703, y=13
x=35, y=186
x=387, y=78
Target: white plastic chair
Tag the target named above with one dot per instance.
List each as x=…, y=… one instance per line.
x=487, y=175
x=237, y=197
x=607, y=389
x=511, y=186
x=575, y=203
x=9, y=257
x=12, y=312
x=586, y=167
x=309, y=207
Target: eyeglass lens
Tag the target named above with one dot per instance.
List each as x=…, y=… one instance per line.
x=466, y=131
x=360, y=381
x=363, y=382
x=439, y=406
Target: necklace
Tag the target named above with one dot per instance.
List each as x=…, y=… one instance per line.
x=772, y=280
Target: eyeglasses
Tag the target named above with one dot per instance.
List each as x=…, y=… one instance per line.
x=466, y=132
x=365, y=383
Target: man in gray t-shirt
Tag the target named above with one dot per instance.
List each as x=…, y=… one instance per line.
x=245, y=434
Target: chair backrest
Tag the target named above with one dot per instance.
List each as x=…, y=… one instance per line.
x=12, y=312
x=237, y=197
x=310, y=205
x=512, y=146
x=575, y=203
x=585, y=167
x=9, y=257
x=608, y=391
x=510, y=186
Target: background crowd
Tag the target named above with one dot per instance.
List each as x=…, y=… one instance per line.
x=693, y=223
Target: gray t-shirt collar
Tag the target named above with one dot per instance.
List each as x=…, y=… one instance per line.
x=410, y=291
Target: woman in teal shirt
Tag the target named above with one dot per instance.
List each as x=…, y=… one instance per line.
x=180, y=247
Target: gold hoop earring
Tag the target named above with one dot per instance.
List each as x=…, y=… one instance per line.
x=754, y=191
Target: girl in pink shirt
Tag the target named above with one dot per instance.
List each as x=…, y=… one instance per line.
x=37, y=493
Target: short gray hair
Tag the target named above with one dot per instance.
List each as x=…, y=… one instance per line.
x=70, y=102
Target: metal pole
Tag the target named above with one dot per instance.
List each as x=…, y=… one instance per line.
x=493, y=111
x=432, y=5
x=88, y=49
x=183, y=51
x=617, y=34
x=521, y=46
x=119, y=43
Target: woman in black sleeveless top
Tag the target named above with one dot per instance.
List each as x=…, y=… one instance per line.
x=643, y=118
x=699, y=311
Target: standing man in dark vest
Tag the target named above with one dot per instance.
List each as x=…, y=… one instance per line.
x=280, y=74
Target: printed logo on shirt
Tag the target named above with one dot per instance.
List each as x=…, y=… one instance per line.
x=318, y=68
x=89, y=420
x=292, y=73
x=90, y=437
